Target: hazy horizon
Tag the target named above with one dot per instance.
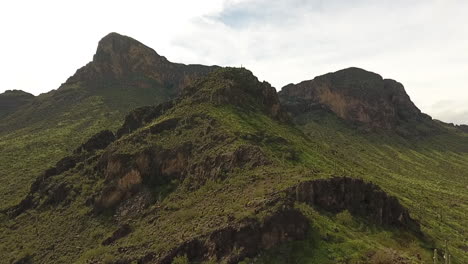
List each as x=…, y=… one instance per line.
x=421, y=44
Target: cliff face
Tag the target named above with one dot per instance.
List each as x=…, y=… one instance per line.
x=122, y=59
x=362, y=199
x=354, y=95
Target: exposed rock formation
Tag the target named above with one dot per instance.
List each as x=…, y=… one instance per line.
x=361, y=199
x=121, y=232
x=247, y=238
x=126, y=175
x=125, y=60
x=99, y=141
x=355, y=95
x=142, y=115
x=237, y=242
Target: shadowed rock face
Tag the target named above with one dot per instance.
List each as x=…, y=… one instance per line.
x=237, y=242
x=463, y=128
x=99, y=141
x=361, y=199
x=125, y=60
x=141, y=116
x=355, y=95
x=122, y=231
x=249, y=237
x=127, y=175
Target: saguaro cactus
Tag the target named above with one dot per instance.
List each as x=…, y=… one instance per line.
x=446, y=253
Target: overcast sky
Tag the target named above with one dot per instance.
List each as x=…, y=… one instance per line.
x=421, y=43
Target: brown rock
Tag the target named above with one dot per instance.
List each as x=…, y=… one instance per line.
x=98, y=141
x=234, y=243
x=354, y=95
x=122, y=59
x=121, y=232
x=361, y=199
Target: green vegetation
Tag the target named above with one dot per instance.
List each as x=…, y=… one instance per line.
x=428, y=175
x=344, y=239
x=40, y=134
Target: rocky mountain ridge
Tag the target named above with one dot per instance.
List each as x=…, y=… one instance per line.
x=225, y=173
x=354, y=95
x=134, y=166
x=125, y=60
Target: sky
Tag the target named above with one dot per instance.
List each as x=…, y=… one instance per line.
x=420, y=43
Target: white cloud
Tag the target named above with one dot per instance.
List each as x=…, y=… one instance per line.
x=419, y=43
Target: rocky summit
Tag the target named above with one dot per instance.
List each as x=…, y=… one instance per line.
x=136, y=159
x=354, y=95
x=124, y=60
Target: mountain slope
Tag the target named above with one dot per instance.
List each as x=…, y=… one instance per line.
x=124, y=74
x=222, y=173
x=196, y=179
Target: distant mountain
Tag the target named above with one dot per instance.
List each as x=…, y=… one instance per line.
x=12, y=100
x=360, y=97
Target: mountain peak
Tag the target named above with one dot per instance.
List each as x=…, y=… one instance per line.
x=354, y=95
x=118, y=57
x=115, y=47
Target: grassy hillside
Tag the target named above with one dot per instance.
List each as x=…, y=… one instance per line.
x=220, y=155
x=42, y=132
x=429, y=175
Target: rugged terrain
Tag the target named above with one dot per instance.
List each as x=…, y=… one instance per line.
x=35, y=132
x=360, y=97
x=230, y=172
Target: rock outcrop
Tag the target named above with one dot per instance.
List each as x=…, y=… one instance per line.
x=365, y=200
x=99, y=141
x=121, y=232
x=121, y=59
x=249, y=237
x=141, y=116
x=234, y=243
x=127, y=175
x=354, y=95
